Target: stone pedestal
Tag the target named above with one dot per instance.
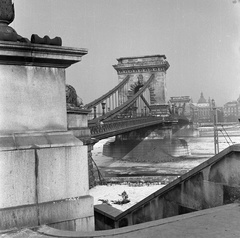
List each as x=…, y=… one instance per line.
x=44, y=167
x=77, y=120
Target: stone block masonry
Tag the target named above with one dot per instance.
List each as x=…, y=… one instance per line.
x=35, y=178
x=43, y=166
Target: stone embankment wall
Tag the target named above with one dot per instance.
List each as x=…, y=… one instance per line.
x=213, y=183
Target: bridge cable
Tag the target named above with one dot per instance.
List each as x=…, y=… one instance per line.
x=124, y=106
x=224, y=137
x=227, y=136
x=106, y=95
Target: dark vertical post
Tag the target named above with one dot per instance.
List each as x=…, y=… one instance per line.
x=95, y=111
x=103, y=108
x=216, y=144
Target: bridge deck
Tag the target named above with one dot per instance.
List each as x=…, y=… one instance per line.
x=119, y=126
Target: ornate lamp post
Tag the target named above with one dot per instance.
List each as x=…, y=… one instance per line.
x=103, y=108
x=216, y=144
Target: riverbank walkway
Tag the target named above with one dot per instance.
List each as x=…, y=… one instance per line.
x=223, y=221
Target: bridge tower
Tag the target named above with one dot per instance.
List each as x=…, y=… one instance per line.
x=140, y=69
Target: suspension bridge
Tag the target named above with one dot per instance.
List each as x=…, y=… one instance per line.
x=138, y=101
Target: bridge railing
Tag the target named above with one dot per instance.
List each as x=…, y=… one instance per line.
x=129, y=107
x=108, y=101
x=124, y=123
x=144, y=112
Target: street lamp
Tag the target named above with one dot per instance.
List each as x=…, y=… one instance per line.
x=103, y=108
x=216, y=144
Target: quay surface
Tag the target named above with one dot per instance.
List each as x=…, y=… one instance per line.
x=216, y=222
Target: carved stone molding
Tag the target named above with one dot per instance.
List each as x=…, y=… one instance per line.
x=140, y=70
x=142, y=64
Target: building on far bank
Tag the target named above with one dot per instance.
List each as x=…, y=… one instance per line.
x=231, y=111
x=204, y=110
x=200, y=112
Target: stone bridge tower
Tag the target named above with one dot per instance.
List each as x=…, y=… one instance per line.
x=141, y=68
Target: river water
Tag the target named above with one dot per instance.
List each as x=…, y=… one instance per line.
x=204, y=144
x=201, y=148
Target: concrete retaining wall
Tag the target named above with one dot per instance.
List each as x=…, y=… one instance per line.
x=213, y=183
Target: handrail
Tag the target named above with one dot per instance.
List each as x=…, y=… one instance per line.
x=116, y=127
x=124, y=106
x=106, y=95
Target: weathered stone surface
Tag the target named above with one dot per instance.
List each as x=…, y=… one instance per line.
x=226, y=170
x=40, y=161
x=85, y=224
x=26, y=94
x=65, y=210
x=32, y=82
x=19, y=217
x=212, y=194
x=231, y=194
x=37, y=140
x=76, y=213
x=77, y=120
x=17, y=178
x=69, y=178
x=39, y=55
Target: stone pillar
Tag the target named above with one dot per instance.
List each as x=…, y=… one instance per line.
x=78, y=123
x=44, y=167
x=140, y=69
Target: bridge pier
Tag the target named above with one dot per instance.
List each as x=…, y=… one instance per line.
x=152, y=144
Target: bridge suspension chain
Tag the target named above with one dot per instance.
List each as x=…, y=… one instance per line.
x=108, y=101
x=128, y=108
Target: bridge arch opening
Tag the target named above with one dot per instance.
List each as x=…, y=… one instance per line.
x=135, y=87
x=141, y=108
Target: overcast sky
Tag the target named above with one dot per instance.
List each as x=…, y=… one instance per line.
x=200, y=38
